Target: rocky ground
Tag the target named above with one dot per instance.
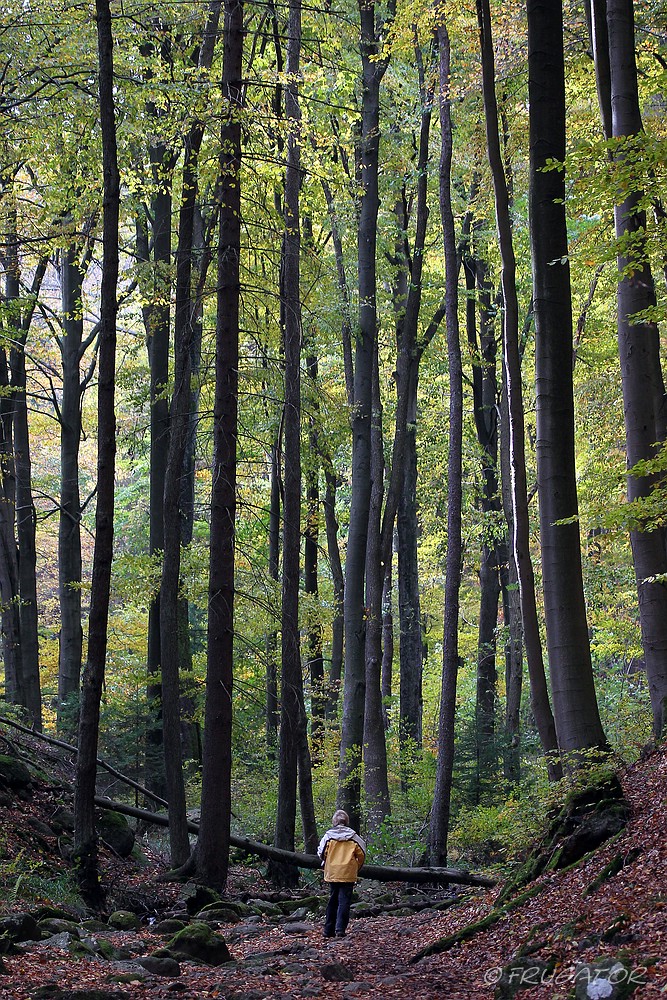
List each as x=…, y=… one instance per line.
x=609, y=907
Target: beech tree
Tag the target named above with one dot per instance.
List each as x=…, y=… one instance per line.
x=85, y=842
x=575, y=706
x=644, y=399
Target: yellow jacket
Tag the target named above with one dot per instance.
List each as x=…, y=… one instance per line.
x=343, y=854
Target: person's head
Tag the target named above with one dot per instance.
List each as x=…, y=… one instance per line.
x=340, y=818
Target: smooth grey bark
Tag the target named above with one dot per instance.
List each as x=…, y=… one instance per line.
x=386, y=677
x=69, y=524
x=644, y=400
x=376, y=784
x=19, y=547
x=25, y=528
x=9, y=571
x=513, y=396
x=212, y=853
x=373, y=67
x=292, y=711
x=337, y=625
x=185, y=332
x=482, y=344
x=271, y=638
x=85, y=840
x=576, y=713
x=440, y=813
x=157, y=324
x=315, y=661
x=411, y=345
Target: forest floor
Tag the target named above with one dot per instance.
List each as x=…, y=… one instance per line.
x=560, y=927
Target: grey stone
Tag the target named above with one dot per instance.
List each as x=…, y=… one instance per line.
x=334, y=972
x=160, y=966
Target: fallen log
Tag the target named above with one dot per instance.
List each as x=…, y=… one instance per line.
x=379, y=873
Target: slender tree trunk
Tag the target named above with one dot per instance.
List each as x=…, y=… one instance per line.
x=85, y=843
x=513, y=393
x=409, y=605
x=386, y=679
x=376, y=785
x=512, y=610
x=213, y=841
x=315, y=664
x=483, y=349
x=25, y=533
x=576, y=713
x=271, y=639
x=337, y=625
x=157, y=324
x=293, y=726
x=639, y=351
x=409, y=354
x=440, y=813
x=69, y=526
x=185, y=331
x=21, y=504
x=9, y=570
x=373, y=67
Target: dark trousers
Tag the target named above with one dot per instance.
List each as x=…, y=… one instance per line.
x=338, y=908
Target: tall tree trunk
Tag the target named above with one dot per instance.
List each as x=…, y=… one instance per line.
x=315, y=663
x=576, y=713
x=514, y=396
x=440, y=813
x=376, y=785
x=23, y=627
x=271, y=639
x=25, y=533
x=483, y=349
x=386, y=679
x=373, y=68
x=69, y=524
x=337, y=624
x=292, y=711
x=185, y=330
x=157, y=324
x=85, y=843
x=409, y=353
x=9, y=569
x=213, y=841
x=639, y=351
x=511, y=610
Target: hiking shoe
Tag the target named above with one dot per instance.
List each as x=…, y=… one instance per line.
x=340, y=933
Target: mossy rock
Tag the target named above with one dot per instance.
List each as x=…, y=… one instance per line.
x=611, y=978
x=56, y=925
x=123, y=920
x=115, y=831
x=220, y=914
x=14, y=773
x=107, y=950
x=198, y=943
x=588, y=818
x=196, y=897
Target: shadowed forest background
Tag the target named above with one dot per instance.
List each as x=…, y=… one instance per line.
x=328, y=336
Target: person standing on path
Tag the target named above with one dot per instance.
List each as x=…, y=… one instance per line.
x=342, y=852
